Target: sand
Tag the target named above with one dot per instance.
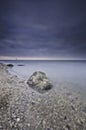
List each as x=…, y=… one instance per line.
x=22, y=108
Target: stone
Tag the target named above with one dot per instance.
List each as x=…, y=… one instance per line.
x=18, y=119
x=10, y=65
x=20, y=65
x=39, y=81
x=68, y=127
x=28, y=124
x=1, y=126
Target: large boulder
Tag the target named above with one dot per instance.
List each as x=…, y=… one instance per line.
x=39, y=81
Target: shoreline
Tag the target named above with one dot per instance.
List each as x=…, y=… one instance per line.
x=21, y=107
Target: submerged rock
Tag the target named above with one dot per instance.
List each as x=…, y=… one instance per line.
x=39, y=81
x=20, y=65
x=10, y=65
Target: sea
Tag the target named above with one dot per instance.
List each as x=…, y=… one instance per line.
x=71, y=72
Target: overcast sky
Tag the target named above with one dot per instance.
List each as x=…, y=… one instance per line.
x=43, y=28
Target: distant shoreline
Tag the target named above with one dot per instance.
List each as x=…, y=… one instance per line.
x=46, y=60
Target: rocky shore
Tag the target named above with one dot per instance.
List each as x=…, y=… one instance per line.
x=23, y=108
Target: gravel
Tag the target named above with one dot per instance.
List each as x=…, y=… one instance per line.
x=22, y=108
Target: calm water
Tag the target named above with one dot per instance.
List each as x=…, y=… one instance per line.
x=57, y=71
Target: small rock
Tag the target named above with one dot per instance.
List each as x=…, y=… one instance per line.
x=73, y=108
x=65, y=118
x=28, y=124
x=33, y=103
x=44, y=123
x=68, y=127
x=39, y=99
x=84, y=109
x=1, y=126
x=18, y=119
x=48, y=129
x=20, y=65
x=10, y=65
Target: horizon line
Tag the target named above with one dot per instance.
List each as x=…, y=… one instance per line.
x=39, y=58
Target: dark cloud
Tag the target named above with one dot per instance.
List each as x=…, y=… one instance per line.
x=43, y=28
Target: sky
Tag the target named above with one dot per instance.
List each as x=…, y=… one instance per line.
x=43, y=28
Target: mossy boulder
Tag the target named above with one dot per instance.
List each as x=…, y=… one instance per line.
x=39, y=81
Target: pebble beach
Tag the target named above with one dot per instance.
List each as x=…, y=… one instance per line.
x=23, y=108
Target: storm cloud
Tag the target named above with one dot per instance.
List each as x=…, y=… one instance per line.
x=47, y=28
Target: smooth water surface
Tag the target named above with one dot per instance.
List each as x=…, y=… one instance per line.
x=57, y=71
x=71, y=71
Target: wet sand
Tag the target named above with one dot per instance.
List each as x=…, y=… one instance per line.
x=22, y=108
